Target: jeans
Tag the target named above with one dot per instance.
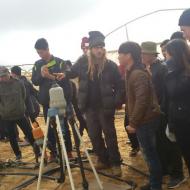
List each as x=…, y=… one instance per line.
x=132, y=136
x=146, y=134
x=51, y=135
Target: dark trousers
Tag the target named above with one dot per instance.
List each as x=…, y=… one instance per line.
x=182, y=133
x=105, y=148
x=169, y=152
x=51, y=134
x=82, y=122
x=24, y=126
x=132, y=136
x=146, y=134
x=3, y=132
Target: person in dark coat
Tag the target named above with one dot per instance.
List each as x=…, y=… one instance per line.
x=47, y=71
x=142, y=110
x=99, y=95
x=169, y=152
x=12, y=110
x=177, y=93
x=31, y=101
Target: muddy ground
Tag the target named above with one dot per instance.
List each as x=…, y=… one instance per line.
x=9, y=182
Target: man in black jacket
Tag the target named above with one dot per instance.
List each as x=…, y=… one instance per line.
x=45, y=72
x=31, y=103
x=99, y=95
x=168, y=151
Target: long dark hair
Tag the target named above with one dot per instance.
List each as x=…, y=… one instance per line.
x=180, y=54
x=92, y=61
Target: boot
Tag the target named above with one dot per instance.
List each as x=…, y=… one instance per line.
x=116, y=171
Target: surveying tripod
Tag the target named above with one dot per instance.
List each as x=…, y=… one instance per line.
x=53, y=112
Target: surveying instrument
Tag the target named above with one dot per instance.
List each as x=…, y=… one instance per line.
x=56, y=111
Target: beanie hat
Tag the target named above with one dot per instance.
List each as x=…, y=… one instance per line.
x=96, y=38
x=16, y=70
x=184, y=19
x=3, y=71
x=84, y=42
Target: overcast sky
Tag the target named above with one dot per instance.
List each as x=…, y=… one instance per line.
x=64, y=22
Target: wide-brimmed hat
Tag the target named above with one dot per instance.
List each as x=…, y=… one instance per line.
x=149, y=47
x=3, y=71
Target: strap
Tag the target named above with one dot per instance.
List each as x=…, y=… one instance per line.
x=51, y=63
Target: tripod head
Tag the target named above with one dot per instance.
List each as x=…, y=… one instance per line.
x=57, y=99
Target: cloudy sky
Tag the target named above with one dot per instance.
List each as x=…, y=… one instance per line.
x=64, y=22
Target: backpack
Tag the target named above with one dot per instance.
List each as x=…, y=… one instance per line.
x=12, y=105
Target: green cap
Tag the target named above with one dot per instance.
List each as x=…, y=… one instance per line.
x=149, y=47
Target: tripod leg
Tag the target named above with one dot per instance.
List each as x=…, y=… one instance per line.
x=64, y=152
x=62, y=174
x=88, y=156
x=43, y=155
x=85, y=182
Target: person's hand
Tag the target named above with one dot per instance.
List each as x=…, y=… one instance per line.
x=59, y=76
x=130, y=129
x=149, y=70
x=45, y=73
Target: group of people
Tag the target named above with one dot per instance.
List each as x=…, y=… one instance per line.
x=155, y=93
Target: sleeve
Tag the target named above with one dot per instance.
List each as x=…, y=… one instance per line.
x=160, y=81
x=1, y=107
x=32, y=90
x=37, y=78
x=119, y=87
x=75, y=69
x=23, y=90
x=142, y=98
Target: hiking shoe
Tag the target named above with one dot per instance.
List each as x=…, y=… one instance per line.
x=116, y=171
x=176, y=182
x=147, y=187
x=100, y=166
x=90, y=150
x=134, y=152
x=70, y=155
x=24, y=143
x=52, y=157
x=18, y=158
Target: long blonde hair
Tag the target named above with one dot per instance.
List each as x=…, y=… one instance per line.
x=92, y=62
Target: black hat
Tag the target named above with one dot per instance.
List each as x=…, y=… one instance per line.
x=16, y=70
x=96, y=38
x=184, y=19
